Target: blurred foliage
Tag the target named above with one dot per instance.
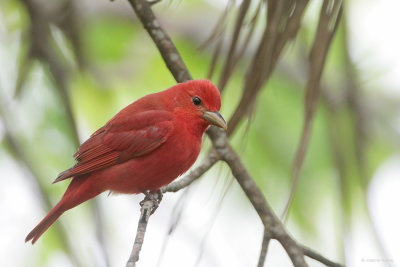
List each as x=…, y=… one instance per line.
x=122, y=64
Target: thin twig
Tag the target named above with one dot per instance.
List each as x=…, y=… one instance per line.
x=148, y=206
x=264, y=248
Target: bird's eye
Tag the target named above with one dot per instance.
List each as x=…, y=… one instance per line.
x=196, y=101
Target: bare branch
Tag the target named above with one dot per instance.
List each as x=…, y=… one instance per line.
x=148, y=206
x=264, y=248
x=318, y=257
x=256, y=197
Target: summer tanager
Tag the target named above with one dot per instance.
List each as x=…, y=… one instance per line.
x=144, y=147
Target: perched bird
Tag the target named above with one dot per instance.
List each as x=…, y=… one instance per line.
x=143, y=147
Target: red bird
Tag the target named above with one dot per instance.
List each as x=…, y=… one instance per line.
x=144, y=147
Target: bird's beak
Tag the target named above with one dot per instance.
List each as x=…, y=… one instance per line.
x=216, y=119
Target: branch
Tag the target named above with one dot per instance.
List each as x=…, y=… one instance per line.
x=254, y=194
x=318, y=257
x=264, y=248
x=148, y=206
x=220, y=142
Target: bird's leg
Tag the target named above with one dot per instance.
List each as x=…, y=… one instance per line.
x=154, y=196
x=159, y=195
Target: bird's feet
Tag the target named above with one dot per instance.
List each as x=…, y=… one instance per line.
x=154, y=196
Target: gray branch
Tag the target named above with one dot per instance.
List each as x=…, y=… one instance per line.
x=148, y=206
x=264, y=248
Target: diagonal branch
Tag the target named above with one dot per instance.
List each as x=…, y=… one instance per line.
x=318, y=257
x=220, y=142
x=254, y=194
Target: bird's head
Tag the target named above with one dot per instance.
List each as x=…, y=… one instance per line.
x=199, y=101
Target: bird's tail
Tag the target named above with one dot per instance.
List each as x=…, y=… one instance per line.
x=80, y=190
x=45, y=223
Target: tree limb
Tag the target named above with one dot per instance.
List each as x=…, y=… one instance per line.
x=148, y=206
x=264, y=248
x=318, y=257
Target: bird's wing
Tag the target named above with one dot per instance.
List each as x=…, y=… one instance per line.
x=124, y=137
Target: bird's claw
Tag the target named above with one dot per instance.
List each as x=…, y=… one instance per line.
x=155, y=197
